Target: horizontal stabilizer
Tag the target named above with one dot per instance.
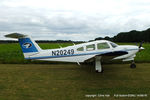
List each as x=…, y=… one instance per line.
x=16, y=35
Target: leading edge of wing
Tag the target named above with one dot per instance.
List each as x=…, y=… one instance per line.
x=110, y=55
x=114, y=53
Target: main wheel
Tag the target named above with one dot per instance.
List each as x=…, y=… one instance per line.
x=133, y=65
x=99, y=72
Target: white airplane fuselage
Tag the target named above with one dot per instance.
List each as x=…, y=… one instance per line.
x=71, y=54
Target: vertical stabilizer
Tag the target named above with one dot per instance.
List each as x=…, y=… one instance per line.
x=28, y=46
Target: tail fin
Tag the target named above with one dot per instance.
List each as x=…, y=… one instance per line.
x=28, y=46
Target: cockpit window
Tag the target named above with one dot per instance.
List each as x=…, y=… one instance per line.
x=80, y=49
x=102, y=46
x=113, y=45
x=90, y=47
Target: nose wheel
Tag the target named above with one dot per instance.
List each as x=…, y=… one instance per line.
x=133, y=65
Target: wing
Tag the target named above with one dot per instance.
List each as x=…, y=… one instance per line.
x=108, y=55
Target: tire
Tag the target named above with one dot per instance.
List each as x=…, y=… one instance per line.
x=99, y=72
x=133, y=66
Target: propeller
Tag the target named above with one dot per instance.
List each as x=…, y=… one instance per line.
x=140, y=46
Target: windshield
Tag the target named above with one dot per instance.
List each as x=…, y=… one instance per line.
x=113, y=45
x=102, y=46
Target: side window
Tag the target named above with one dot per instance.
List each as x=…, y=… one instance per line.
x=80, y=49
x=90, y=47
x=102, y=46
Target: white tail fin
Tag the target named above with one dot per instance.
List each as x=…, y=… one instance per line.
x=28, y=46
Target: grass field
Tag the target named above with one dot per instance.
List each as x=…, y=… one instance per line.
x=11, y=53
x=22, y=79
x=72, y=82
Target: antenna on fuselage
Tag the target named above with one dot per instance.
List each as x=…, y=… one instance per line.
x=73, y=43
x=59, y=44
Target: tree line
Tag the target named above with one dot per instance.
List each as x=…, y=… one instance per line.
x=132, y=36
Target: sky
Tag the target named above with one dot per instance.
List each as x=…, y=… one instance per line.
x=73, y=19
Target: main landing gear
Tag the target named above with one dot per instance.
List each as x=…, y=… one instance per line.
x=98, y=66
x=133, y=65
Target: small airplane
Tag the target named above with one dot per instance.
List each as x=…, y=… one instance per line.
x=97, y=51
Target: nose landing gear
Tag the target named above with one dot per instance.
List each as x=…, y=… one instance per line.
x=133, y=65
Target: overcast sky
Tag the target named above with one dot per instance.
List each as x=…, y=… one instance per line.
x=73, y=19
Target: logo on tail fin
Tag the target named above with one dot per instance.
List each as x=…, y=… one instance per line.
x=27, y=45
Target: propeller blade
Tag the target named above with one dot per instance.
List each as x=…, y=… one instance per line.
x=140, y=45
